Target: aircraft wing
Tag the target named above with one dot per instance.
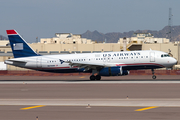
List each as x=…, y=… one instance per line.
x=89, y=66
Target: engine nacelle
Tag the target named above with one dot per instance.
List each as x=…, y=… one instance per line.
x=113, y=71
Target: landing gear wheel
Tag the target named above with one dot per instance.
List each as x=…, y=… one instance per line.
x=92, y=77
x=154, y=77
x=98, y=77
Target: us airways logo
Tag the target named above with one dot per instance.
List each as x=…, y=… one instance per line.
x=18, y=46
x=122, y=54
x=61, y=61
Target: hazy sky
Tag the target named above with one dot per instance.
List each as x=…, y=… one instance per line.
x=44, y=18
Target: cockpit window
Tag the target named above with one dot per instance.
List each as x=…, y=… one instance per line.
x=165, y=55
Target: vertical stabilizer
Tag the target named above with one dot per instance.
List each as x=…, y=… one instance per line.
x=19, y=46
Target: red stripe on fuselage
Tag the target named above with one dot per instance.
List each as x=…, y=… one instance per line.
x=139, y=64
x=56, y=67
x=11, y=32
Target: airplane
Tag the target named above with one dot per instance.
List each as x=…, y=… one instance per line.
x=99, y=64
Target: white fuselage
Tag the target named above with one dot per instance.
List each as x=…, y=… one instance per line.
x=129, y=60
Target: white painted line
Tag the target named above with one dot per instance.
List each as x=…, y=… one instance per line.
x=94, y=102
x=89, y=82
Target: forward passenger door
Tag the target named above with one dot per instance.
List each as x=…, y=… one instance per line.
x=152, y=56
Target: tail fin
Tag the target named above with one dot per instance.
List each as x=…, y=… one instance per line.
x=19, y=46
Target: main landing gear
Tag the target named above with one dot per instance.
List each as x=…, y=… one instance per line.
x=93, y=77
x=153, y=77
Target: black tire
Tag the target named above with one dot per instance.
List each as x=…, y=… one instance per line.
x=92, y=77
x=98, y=77
x=153, y=77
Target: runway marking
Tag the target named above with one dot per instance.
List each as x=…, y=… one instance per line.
x=82, y=77
x=88, y=82
x=147, y=108
x=32, y=107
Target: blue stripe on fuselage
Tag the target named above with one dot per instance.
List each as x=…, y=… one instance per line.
x=141, y=67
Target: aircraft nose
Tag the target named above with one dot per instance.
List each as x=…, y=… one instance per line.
x=174, y=61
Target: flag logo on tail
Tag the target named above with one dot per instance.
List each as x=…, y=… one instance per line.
x=18, y=46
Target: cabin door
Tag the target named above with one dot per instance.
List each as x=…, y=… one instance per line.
x=152, y=56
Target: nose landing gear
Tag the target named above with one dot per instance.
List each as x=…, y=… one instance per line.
x=153, y=77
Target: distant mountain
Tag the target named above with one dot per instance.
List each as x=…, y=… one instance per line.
x=113, y=37
x=3, y=38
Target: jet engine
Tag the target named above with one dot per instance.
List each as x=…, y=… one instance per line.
x=113, y=71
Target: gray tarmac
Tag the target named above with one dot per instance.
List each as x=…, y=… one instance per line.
x=86, y=78
x=81, y=99
x=84, y=113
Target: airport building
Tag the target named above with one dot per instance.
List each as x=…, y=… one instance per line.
x=67, y=43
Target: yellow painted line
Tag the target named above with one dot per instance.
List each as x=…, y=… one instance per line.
x=32, y=107
x=82, y=77
x=147, y=108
